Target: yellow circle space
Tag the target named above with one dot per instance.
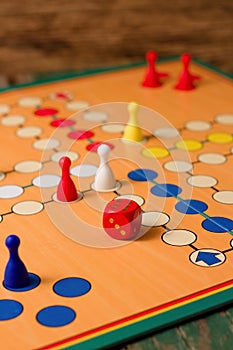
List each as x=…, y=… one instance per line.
x=155, y=152
x=220, y=137
x=189, y=145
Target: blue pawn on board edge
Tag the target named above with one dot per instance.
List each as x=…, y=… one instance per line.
x=16, y=274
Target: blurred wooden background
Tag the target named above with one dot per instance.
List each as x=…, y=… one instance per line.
x=59, y=35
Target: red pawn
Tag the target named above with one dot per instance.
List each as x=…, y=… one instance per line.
x=152, y=77
x=186, y=79
x=66, y=191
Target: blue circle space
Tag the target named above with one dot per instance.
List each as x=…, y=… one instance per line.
x=166, y=190
x=56, y=316
x=72, y=287
x=191, y=206
x=217, y=224
x=9, y=309
x=142, y=175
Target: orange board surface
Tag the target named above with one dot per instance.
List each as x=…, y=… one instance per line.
x=87, y=289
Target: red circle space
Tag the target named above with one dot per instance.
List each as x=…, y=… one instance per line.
x=80, y=134
x=93, y=147
x=62, y=123
x=61, y=95
x=45, y=112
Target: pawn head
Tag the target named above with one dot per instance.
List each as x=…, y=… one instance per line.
x=186, y=58
x=12, y=242
x=65, y=162
x=151, y=56
x=133, y=107
x=103, y=150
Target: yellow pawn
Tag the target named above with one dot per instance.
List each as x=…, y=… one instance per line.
x=132, y=131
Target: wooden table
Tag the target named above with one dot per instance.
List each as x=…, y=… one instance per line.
x=57, y=35
x=211, y=332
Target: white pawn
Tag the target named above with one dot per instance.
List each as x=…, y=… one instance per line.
x=104, y=179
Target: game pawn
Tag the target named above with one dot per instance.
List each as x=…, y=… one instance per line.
x=152, y=78
x=66, y=191
x=133, y=132
x=186, y=79
x=104, y=180
x=16, y=274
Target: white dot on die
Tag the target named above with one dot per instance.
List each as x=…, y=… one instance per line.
x=179, y=237
x=46, y=181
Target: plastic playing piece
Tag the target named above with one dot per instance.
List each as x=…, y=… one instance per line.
x=104, y=179
x=16, y=274
x=66, y=191
x=186, y=79
x=122, y=219
x=152, y=77
x=132, y=130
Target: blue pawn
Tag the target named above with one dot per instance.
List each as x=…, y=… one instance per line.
x=16, y=274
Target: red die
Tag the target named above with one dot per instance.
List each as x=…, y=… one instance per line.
x=122, y=219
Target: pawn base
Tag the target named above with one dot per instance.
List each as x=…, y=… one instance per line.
x=33, y=282
x=118, y=185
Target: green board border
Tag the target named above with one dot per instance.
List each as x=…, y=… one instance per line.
x=56, y=77
x=164, y=319
x=155, y=323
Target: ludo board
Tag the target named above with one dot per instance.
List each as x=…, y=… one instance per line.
x=89, y=290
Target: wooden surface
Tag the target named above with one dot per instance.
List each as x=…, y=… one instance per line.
x=56, y=35
x=210, y=333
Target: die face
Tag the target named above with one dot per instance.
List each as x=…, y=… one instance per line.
x=122, y=219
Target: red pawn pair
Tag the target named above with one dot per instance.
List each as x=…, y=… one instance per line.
x=153, y=78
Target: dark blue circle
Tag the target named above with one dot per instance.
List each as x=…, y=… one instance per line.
x=9, y=309
x=34, y=281
x=142, y=175
x=217, y=224
x=56, y=316
x=72, y=287
x=191, y=206
x=166, y=190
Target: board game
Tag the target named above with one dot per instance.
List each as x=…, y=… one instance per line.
x=88, y=290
